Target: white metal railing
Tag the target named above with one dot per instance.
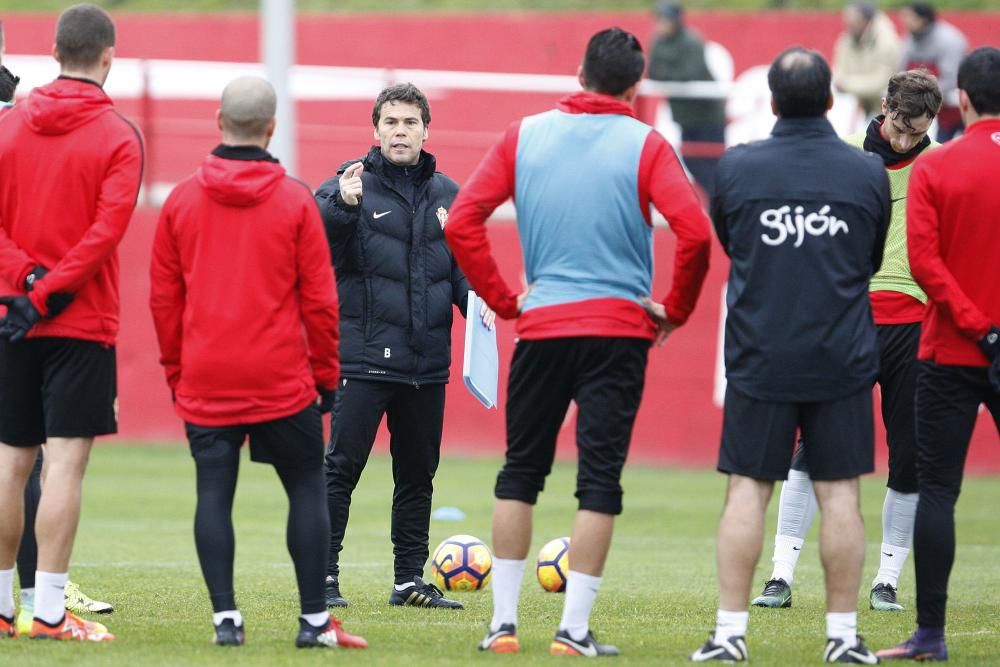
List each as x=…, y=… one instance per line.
x=133, y=78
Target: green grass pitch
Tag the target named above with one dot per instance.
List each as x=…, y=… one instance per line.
x=135, y=548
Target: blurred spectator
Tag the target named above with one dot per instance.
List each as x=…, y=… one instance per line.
x=865, y=56
x=8, y=82
x=937, y=46
x=678, y=54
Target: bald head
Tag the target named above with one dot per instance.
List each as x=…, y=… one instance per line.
x=246, y=114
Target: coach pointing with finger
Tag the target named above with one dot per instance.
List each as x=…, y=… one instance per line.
x=385, y=215
x=350, y=184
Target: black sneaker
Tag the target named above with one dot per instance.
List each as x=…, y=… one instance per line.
x=777, y=594
x=588, y=647
x=333, y=596
x=228, y=633
x=733, y=649
x=418, y=593
x=883, y=598
x=837, y=650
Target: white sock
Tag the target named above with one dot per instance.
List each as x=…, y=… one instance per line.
x=318, y=619
x=581, y=591
x=234, y=614
x=786, y=557
x=28, y=599
x=7, y=593
x=843, y=625
x=797, y=505
x=898, y=513
x=507, y=575
x=890, y=565
x=730, y=624
x=50, y=596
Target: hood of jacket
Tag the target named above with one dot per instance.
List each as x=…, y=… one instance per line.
x=64, y=105
x=595, y=103
x=240, y=175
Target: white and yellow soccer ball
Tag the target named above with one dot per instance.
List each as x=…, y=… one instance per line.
x=462, y=563
x=553, y=565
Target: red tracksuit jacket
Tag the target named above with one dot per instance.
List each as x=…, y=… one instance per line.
x=70, y=169
x=243, y=293
x=953, y=236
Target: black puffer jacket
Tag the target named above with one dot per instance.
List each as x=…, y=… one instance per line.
x=396, y=278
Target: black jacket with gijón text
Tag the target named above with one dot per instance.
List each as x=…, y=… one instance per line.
x=803, y=217
x=396, y=279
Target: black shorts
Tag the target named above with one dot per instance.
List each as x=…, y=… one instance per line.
x=605, y=377
x=289, y=443
x=758, y=436
x=897, y=380
x=56, y=388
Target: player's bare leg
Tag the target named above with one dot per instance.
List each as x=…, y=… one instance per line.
x=511, y=529
x=841, y=542
x=588, y=551
x=740, y=539
x=55, y=531
x=590, y=541
x=842, y=551
x=15, y=466
x=738, y=547
x=511, y=541
x=59, y=509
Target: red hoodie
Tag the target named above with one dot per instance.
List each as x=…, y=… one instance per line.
x=70, y=169
x=243, y=293
x=953, y=237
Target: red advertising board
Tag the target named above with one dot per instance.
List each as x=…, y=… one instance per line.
x=679, y=421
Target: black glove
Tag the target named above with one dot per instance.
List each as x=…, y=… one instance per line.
x=990, y=345
x=55, y=303
x=21, y=316
x=326, y=399
x=8, y=84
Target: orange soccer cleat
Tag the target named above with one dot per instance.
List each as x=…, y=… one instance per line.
x=503, y=640
x=71, y=628
x=8, y=628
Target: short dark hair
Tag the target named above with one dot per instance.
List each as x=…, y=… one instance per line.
x=979, y=77
x=82, y=34
x=406, y=93
x=924, y=10
x=799, y=80
x=913, y=94
x=613, y=62
x=865, y=9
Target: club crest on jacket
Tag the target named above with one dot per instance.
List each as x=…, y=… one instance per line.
x=442, y=214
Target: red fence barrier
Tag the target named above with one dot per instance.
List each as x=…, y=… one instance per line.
x=678, y=422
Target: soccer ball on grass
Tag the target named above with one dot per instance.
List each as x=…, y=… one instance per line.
x=462, y=563
x=553, y=565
